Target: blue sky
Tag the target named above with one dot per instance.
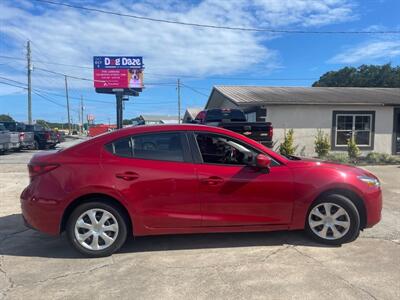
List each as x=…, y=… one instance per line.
x=200, y=57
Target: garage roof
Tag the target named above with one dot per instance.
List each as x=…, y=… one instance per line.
x=258, y=95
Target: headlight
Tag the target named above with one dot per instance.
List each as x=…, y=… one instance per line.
x=371, y=181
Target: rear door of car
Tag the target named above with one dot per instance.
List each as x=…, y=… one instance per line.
x=155, y=174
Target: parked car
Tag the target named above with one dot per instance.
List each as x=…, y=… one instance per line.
x=169, y=179
x=8, y=140
x=44, y=138
x=235, y=120
x=26, y=139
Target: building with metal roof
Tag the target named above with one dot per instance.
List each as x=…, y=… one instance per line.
x=369, y=115
x=190, y=114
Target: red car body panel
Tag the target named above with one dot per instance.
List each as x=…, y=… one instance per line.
x=163, y=197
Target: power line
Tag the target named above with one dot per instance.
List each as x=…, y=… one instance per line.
x=52, y=101
x=214, y=26
x=93, y=80
x=194, y=90
x=89, y=100
x=169, y=75
x=11, y=84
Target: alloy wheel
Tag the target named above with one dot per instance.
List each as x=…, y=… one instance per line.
x=329, y=221
x=96, y=229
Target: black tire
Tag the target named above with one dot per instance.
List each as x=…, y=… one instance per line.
x=97, y=204
x=352, y=213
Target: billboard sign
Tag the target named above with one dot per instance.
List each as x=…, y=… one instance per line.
x=113, y=72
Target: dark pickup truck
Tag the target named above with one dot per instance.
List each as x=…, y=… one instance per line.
x=44, y=138
x=235, y=120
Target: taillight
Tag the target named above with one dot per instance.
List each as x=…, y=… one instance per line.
x=21, y=136
x=39, y=169
x=47, y=135
x=271, y=131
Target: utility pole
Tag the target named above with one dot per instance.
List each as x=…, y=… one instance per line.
x=82, y=115
x=66, y=94
x=179, y=101
x=28, y=57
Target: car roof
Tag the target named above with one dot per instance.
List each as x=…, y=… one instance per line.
x=167, y=127
x=133, y=130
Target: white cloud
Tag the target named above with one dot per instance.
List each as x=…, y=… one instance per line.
x=73, y=36
x=372, y=51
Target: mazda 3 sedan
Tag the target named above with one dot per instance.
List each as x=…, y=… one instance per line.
x=164, y=179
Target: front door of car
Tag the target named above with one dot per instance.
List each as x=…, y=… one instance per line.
x=154, y=173
x=233, y=193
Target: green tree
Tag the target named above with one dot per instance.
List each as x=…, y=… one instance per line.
x=43, y=123
x=126, y=122
x=287, y=147
x=6, y=118
x=321, y=144
x=363, y=76
x=352, y=150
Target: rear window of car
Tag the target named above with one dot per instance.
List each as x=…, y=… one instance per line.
x=218, y=115
x=157, y=146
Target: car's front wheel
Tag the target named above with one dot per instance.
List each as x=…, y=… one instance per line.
x=333, y=220
x=96, y=229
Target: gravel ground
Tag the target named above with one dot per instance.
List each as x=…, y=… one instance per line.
x=224, y=266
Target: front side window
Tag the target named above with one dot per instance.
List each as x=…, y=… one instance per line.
x=157, y=146
x=216, y=149
x=358, y=126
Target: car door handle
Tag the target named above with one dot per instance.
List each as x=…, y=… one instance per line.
x=128, y=176
x=213, y=180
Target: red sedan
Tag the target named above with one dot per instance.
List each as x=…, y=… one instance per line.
x=151, y=180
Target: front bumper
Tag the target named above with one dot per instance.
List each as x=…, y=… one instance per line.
x=373, y=206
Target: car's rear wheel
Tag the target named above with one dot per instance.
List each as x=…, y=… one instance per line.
x=333, y=220
x=96, y=229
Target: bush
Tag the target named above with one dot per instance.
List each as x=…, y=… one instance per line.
x=322, y=144
x=287, y=147
x=342, y=158
x=381, y=158
x=352, y=150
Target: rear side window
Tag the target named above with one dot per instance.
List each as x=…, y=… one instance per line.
x=157, y=146
x=123, y=147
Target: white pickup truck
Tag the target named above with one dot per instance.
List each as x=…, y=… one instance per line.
x=8, y=140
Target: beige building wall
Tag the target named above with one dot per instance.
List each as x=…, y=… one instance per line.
x=306, y=119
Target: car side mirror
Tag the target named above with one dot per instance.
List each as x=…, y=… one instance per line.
x=263, y=162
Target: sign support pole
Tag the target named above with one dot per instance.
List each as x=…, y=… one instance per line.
x=119, y=97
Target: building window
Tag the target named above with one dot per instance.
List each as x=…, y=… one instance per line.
x=353, y=124
x=251, y=117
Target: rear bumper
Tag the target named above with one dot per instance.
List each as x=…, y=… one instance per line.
x=39, y=213
x=15, y=145
x=268, y=144
x=27, y=145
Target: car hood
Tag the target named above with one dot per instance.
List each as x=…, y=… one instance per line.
x=318, y=163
